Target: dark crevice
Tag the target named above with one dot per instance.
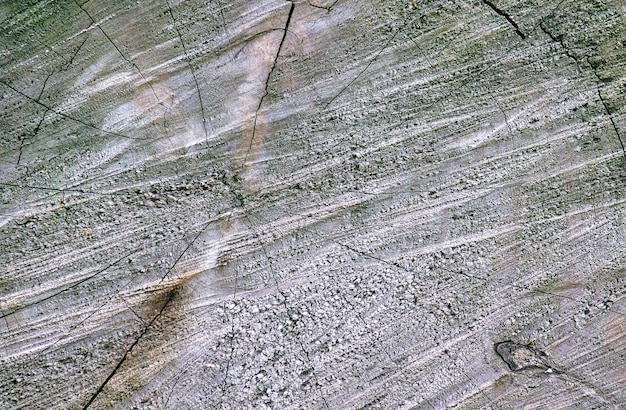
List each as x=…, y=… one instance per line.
x=36, y=130
x=524, y=357
x=391, y=38
x=508, y=18
x=367, y=255
x=62, y=56
x=38, y=98
x=327, y=8
x=110, y=40
x=267, y=81
x=193, y=73
x=71, y=286
x=568, y=53
x=170, y=296
x=608, y=113
x=43, y=88
x=126, y=59
x=559, y=41
x=547, y=16
x=71, y=60
x=34, y=134
x=61, y=114
x=184, y=251
x=129, y=307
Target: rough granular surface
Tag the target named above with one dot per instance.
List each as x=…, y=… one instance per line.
x=312, y=204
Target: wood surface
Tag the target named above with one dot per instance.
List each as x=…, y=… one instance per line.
x=312, y=204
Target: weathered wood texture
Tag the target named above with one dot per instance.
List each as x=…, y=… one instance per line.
x=266, y=204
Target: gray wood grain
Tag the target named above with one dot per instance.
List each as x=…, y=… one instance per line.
x=312, y=204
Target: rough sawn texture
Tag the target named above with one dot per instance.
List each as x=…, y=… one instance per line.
x=312, y=204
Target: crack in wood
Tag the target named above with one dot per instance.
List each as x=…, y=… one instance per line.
x=34, y=134
x=67, y=116
x=361, y=319
x=454, y=272
x=193, y=73
x=387, y=43
x=187, y=247
x=508, y=18
x=80, y=282
x=568, y=53
x=254, y=230
x=608, y=113
x=126, y=59
x=170, y=294
x=267, y=80
x=80, y=46
x=36, y=130
x=327, y=8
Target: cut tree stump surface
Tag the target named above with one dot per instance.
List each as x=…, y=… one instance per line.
x=312, y=204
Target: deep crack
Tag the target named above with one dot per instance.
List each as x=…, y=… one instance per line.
x=62, y=114
x=69, y=63
x=608, y=113
x=170, y=296
x=568, y=53
x=34, y=134
x=327, y=8
x=193, y=73
x=126, y=59
x=508, y=18
x=126, y=255
x=267, y=81
x=288, y=309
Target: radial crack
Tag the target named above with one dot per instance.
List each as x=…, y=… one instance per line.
x=608, y=113
x=126, y=59
x=193, y=73
x=71, y=60
x=195, y=238
x=287, y=309
x=147, y=327
x=506, y=16
x=391, y=38
x=267, y=81
x=327, y=8
x=71, y=286
x=559, y=40
x=35, y=132
x=61, y=114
